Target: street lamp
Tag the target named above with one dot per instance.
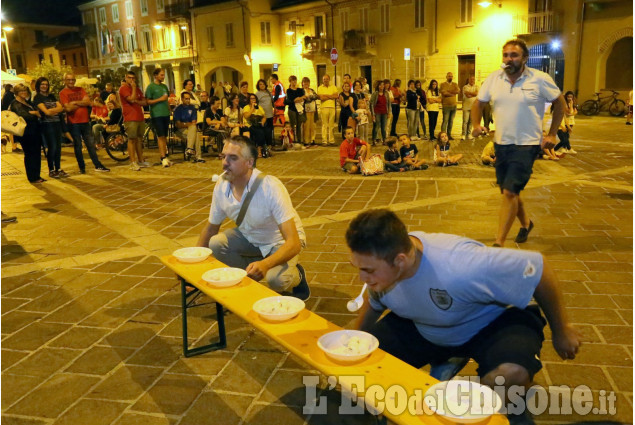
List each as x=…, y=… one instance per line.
x=486, y=3
x=5, y=39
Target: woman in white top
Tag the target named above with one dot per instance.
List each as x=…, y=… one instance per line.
x=188, y=87
x=234, y=116
x=433, y=99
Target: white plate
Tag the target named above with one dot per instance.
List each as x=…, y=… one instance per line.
x=226, y=276
x=193, y=254
x=279, y=308
x=342, y=345
x=463, y=401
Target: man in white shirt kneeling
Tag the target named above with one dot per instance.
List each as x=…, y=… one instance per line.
x=269, y=236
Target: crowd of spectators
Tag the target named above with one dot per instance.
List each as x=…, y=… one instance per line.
x=229, y=109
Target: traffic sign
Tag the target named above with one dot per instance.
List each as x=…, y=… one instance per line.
x=334, y=56
x=406, y=53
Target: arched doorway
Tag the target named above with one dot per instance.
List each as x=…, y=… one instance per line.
x=550, y=59
x=223, y=73
x=619, y=65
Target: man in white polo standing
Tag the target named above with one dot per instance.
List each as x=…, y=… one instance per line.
x=518, y=95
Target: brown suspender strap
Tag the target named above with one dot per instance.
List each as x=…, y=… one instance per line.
x=250, y=194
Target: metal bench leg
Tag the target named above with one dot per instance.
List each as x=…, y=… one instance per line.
x=220, y=318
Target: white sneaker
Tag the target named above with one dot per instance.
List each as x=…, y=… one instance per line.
x=571, y=151
x=134, y=166
x=415, y=138
x=166, y=162
x=470, y=137
x=562, y=151
x=462, y=137
x=144, y=164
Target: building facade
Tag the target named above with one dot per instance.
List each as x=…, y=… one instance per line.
x=576, y=41
x=139, y=35
x=31, y=44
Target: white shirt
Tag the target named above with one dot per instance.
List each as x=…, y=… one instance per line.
x=518, y=109
x=270, y=207
x=469, y=101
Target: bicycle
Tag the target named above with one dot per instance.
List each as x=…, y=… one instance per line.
x=117, y=145
x=615, y=106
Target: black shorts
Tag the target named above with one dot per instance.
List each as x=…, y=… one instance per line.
x=161, y=126
x=514, y=165
x=516, y=337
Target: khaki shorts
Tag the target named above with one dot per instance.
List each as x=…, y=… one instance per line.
x=134, y=129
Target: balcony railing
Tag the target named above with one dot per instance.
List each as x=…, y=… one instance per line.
x=124, y=57
x=312, y=46
x=356, y=41
x=536, y=23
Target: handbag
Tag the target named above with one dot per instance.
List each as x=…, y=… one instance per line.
x=112, y=128
x=12, y=123
x=373, y=166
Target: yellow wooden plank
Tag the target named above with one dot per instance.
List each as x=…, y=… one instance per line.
x=300, y=334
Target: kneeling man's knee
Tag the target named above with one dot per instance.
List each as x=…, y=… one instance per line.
x=513, y=374
x=282, y=281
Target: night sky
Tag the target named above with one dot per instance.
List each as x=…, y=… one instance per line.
x=52, y=12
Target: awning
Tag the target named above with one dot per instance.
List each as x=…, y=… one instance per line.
x=6, y=78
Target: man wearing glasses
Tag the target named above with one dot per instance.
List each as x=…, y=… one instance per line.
x=132, y=100
x=76, y=103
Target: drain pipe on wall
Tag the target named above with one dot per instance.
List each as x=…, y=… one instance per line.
x=436, y=26
x=332, y=39
x=580, y=30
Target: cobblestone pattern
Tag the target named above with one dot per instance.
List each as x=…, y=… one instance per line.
x=91, y=322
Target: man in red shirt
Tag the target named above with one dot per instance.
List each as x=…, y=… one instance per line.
x=132, y=100
x=76, y=103
x=352, y=152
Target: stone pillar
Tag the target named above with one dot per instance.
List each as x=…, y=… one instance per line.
x=178, y=78
x=146, y=75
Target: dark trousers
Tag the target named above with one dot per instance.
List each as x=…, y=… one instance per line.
x=79, y=132
x=564, y=140
x=257, y=135
x=422, y=116
x=31, y=145
x=52, y=135
x=432, y=122
x=395, y=167
x=268, y=132
x=395, y=117
x=296, y=121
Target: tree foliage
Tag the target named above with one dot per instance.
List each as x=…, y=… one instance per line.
x=55, y=75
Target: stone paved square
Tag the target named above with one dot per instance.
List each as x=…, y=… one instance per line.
x=91, y=319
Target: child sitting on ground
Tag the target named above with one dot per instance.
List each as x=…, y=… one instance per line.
x=392, y=159
x=410, y=154
x=287, y=137
x=442, y=155
x=362, y=119
x=550, y=154
x=488, y=157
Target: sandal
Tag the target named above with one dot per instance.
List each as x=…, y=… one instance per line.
x=40, y=180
